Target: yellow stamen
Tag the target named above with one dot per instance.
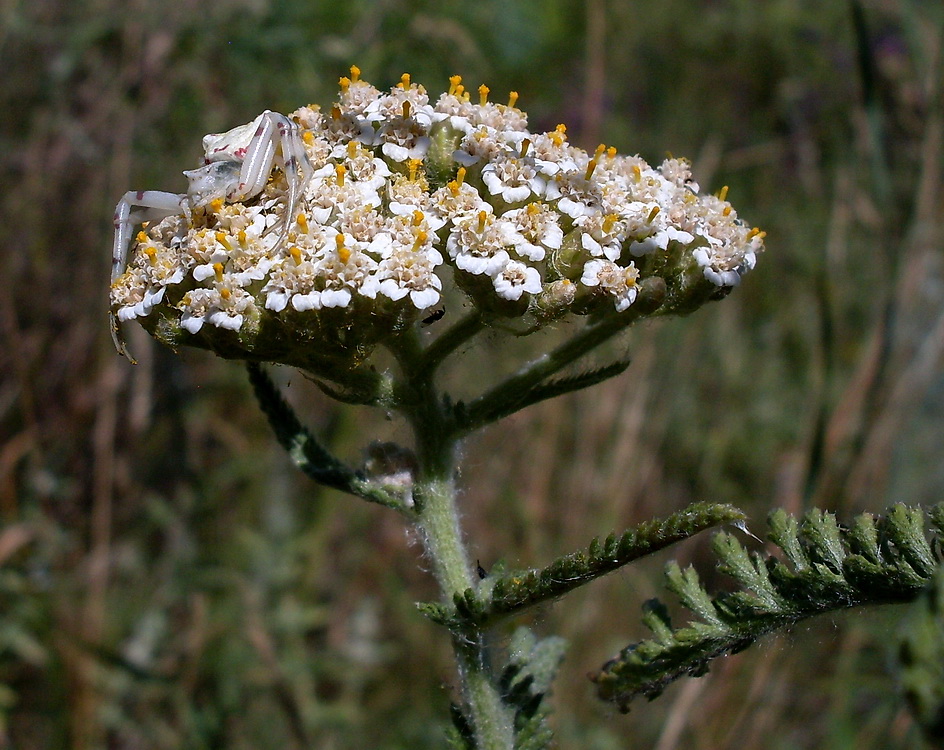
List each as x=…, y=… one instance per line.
x=512, y=98
x=637, y=173
x=345, y=83
x=525, y=147
x=302, y=221
x=296, y=254
x=413, y=165
x=406, y=110
x=355, y=73
x=351, y=149
x=653, y=213
x=151, y=254
x=534, y=208
x=241, y=237
x=225, y=293
x=418, y=218
x=483, y=95
x=216, y=205
x=142, y=237
x=420, y=240
x=599, y=152
x=608, y=221
x=339, y=172
x=308, y=137
x=460, y=175
x=454, y=83
x=611, y=151
x=723, y=193
x=218, y=271
x=335, y=112
x=726, y=211
x=590, y=168
x=404, y=81
x=344, y=254
x=223, y=239
x=483, y=217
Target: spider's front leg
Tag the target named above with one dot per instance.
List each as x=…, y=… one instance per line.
x=151, y=205
x=274, y=131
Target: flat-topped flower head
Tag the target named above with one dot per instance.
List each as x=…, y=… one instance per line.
x=400, y=203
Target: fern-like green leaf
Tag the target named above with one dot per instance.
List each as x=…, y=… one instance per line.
x=515, y=591
x=875, y=561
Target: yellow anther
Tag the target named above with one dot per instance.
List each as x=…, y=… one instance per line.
x=637, y=173
x=339, y=171
x=534, y=208
x=608, y=221
x=453, y=188
x=216, y=205
x=355, y=73
x=418, y=218
x=420, y=240
x=241, y=237
x=308, y=137
x=726, y=211
x=404, y=81
x=296, y=254
x=483, y=217
x=483, y=95
x=512, y=98
x=611, y=152
x=455, y=82
x=590, y=168
x=460, y=175
x=345, y=83
x=405, y=111
x=413, y=165
x=723, y=193
x=302, y=222
x=465, y=95
x=653, y=213
x=344, y=254
x=218, y=271
x=351, y=149
x=335, y=112
x=142, y=237
x=151, y=254
x=225, y=293
x=525, y=147
x=559, y=135
x=223, y=239
x=599, y=152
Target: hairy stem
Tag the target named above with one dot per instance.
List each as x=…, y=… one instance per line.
x=434, y=495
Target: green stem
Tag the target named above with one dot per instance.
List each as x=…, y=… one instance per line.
x=434, y=495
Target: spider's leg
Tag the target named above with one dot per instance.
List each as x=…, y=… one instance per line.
x=257, y=162
x=294, y=158
x=152, y=205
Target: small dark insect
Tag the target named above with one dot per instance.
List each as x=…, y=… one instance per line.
x=436, y=315
x=482, y=573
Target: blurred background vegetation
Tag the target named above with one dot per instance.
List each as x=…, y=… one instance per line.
x=168, y=581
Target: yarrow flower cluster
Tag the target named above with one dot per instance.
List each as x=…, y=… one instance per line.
x=406, y=200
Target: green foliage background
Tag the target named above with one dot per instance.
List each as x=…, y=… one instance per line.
x=167, y=581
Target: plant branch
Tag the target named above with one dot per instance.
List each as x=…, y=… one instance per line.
x=310, y=455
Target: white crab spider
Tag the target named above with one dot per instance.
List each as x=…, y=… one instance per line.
x=238, y=164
